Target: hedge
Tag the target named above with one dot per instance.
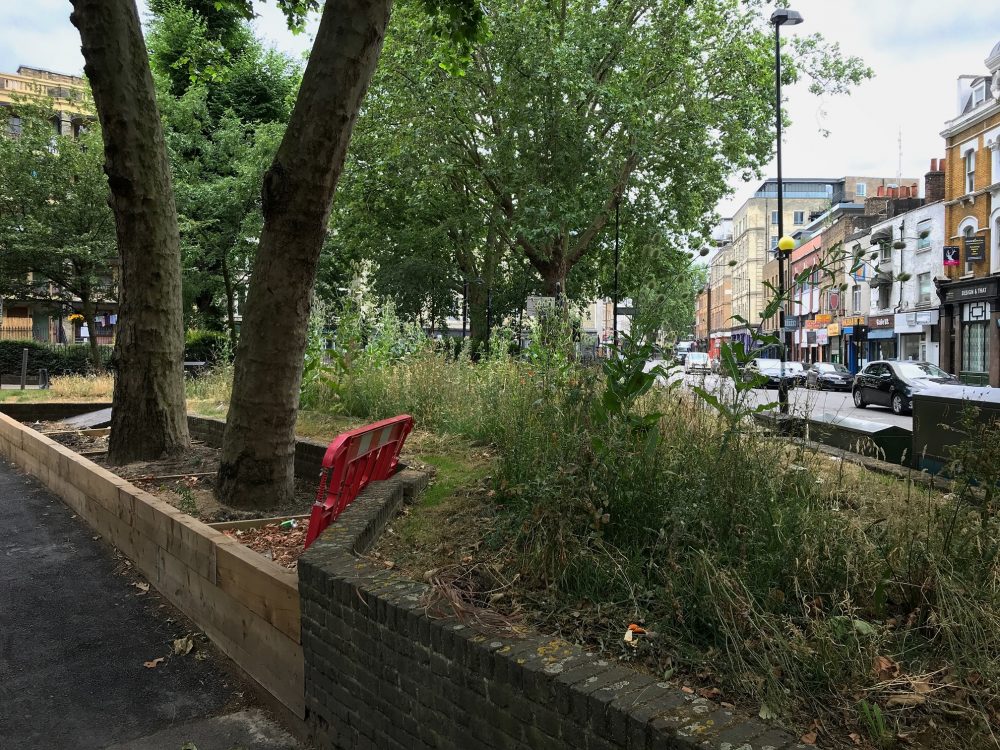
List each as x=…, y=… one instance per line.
x=58, y=359
x=205, y=346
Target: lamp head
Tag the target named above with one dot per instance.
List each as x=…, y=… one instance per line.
x=786, y=244
x=786, y=17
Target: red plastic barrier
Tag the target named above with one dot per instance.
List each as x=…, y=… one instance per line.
x=367, y=454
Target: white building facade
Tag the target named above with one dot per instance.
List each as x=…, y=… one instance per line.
x=903, y=303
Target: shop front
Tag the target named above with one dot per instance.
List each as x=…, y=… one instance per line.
x=854, y=335
x=881, y=337
x=834, y=343
x=918, y=335
x=970, y=338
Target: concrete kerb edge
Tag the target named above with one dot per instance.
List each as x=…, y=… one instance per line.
x=623, y=707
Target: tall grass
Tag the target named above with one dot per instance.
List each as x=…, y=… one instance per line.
x=83, y=387
x=788, y=576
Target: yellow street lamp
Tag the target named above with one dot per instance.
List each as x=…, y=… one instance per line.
x=786, y=244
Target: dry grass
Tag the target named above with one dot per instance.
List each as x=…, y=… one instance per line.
x=83, y=387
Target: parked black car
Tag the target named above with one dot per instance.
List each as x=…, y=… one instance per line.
x=770, y=369
x=893, y=383
x=823, y=375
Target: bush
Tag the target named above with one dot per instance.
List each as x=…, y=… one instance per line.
x=206, y=346
x=58, y=359
x=796, y=582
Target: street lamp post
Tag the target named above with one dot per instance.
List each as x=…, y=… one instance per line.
x=779, y=18
x=614, y=301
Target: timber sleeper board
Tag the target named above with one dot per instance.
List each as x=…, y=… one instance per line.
x=247, y=577
x=252, y=616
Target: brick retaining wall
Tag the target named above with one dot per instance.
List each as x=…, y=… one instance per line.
x=308, y=453
x=381, y=673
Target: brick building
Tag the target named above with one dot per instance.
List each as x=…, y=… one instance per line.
x=969, y=289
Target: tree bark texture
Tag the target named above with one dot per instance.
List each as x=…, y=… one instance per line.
x=258, y=449
x=149, y=414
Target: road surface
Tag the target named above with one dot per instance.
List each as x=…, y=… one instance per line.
x=802, y=401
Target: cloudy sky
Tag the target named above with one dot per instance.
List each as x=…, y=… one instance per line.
x=916, y=47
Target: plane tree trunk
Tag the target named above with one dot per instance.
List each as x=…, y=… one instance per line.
x=148, y=417
x=257, y=466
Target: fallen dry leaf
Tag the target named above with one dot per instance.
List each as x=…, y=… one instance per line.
x=183, y=645
x=906, y=699
x=688, y=690
x=152, y=664
x=886, y=667
x=711, y=693
x=809, y=738
x=143, y=587
x=855, y=738
x=920, y=686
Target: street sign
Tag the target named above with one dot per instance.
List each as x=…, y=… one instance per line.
x=534, y=304
x=951, y=255
x=626, y=310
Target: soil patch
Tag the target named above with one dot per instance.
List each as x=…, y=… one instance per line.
x=186, y=481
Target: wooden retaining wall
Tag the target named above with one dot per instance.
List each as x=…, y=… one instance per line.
x=247, y=604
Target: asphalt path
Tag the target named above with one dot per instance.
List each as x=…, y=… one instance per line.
x=802, y=401
x=86, y=647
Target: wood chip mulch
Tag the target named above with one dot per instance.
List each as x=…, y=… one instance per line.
x=282, y=546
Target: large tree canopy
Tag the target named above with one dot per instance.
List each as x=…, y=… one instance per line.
x=224, y=101
x=562, y=112
x=55, y=223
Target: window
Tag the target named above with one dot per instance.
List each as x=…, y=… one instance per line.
x=774, y=242
x=995, y=177
x=923, y=235
x=774, y=217
x=14, y=126
x=800, y=217
x=924, y=287
x=857, y=299
x=979, y=93
x=975, y=347
x=883, y=296
x=970, y=170
x=885, y=251
x=861, y=190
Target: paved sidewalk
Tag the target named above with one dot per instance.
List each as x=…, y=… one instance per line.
x=75, y=633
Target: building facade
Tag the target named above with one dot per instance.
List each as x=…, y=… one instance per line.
x=969, y=290
x=68, y=95
x=755, y=232
x=57, y=321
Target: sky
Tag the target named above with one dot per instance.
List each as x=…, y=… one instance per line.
x=917, y=48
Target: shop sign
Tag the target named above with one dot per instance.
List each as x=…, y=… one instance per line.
x=811, y=338
x=881, y=321
x=975, y=249
x=814, y=325
x=983, y=290
x=951, y=255
x=858, y=320
x=833, y=329
x=791, y=322
x=824, y=318
x=822, y=338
